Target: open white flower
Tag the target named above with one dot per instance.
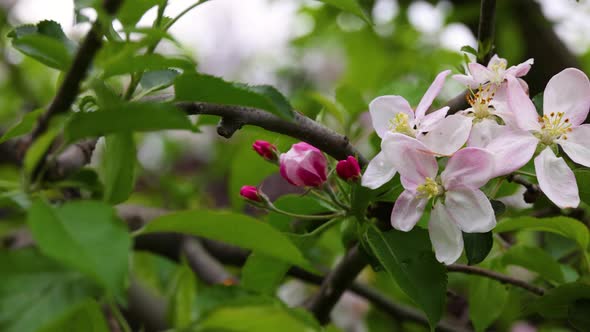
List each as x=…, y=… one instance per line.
x=393, y=114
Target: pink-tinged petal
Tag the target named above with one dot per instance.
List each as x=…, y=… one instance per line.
x=520, y=69
x=470, y=210
x=511, y=148
x=466, y=80
x=480, y=73
x=568, y=92
x=521, y=106
x=557, y=180
x=409, y=157
x=407, y=211
x=495, y=61
x=468, y=168
x=409, y=185
x=577, y=145
x=383, y=109
x=431, y=119
x=378, y=172
x=445, y=236
x=431, y=94
x=448, y=135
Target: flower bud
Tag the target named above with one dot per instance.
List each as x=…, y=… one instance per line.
x=348, y=169
x=304, y=165
x=265, y=150
x=251, y=193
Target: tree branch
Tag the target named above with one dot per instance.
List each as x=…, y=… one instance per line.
x=496, y=276
x=486, y=27
x=302, y=127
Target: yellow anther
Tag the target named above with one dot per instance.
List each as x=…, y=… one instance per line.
x=429, y=189
x=480, y=101
x=553, y=126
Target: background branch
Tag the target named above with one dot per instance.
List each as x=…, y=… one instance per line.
x=496, y=276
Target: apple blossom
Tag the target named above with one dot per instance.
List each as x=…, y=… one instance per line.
x=566, y=102
x=303, y=165
x=459, y=205
x=495, y=73
x=393, y=114
x=348, y=169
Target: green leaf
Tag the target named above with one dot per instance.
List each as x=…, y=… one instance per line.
x=128, y=117
x=477, y=246
x=409, y=260
x=487, y=298
x=556, y=302
x=232, y=228
x=583, y=180
x=44, y=42
x=23, y=127
x=469, y=49
x=37, y=150
x=183, y=297
x=87, y=236
x=36, y=291
x=351, y=6
x=141, y=63
x=118, y=167
x=536, y=260
x=564, y=226
x=263, y=274
x=132, y=11
x=351, y=99
x=577, y=314
x=158, y=79
x=87, y=317
x=205, y=88
x=256, y=318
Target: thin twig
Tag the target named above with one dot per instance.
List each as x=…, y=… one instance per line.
x=68, y=91
x=496, y=276
x=485, y=30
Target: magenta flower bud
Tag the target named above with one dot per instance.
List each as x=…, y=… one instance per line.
x=348, y=169
x=251, y=193
x=265, y=150
x=304, y=165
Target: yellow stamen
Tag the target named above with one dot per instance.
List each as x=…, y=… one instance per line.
x=429, y=189
x=401, y=124
x=554, y=126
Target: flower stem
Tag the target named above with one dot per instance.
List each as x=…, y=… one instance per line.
x=119, y=317
x=325, y=226
x=305, y=216
x=334, y=198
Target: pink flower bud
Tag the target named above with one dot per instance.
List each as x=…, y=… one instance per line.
x=265, y=150
x=348, y=169
x=251, y=193
x=304, y=165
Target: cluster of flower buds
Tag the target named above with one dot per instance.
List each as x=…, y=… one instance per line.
x=303, y=165
x=497, y=135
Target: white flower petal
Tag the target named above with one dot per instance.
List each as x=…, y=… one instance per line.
x=556, y=180
x=447, y=135
x=431, y=94
x=568, y=92
x=470, y=210
x=445, y=236
x=521, y=106
x=409, y=157
x=383, y=109
x=378, y=172
x=577, y=145
x=407, y=211
x=468, y=168
x=432, y=119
